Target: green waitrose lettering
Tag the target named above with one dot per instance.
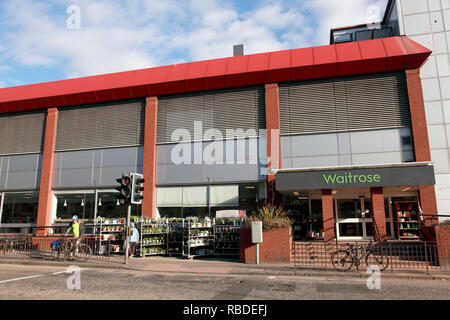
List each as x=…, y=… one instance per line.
x=348, y=177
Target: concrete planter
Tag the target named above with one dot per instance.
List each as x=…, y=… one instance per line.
x=276, y=246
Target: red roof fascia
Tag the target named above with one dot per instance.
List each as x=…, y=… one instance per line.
x=371, y=56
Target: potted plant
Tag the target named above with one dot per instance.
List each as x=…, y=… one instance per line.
x=277, y=235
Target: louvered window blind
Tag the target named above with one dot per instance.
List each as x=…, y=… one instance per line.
x=242, y=108
x=343, y=104
x=112, y=125
x=22, y=133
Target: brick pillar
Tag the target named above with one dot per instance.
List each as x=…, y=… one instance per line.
x=149, y=165
x=379, y=217
x=428, y=203
x=328, y=216
x=47, y=168
x=273, y=140
x=420, y=136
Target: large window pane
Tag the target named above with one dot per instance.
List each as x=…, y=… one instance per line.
x=108, y=207
x=316, y=216
x=169, y=197
x=222, y=196
x=200, y=212
x=386, y=208
x=368, y=208
x=248, y=198
x=167, y=212
x=369, y=229
x=20, y=207
x=349, y=208
x=350, y=229
x=388, y=229
x=80, y=204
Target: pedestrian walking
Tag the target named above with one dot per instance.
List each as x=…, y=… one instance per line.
x=134, y=239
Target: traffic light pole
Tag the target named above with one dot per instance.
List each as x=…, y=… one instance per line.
x=127, y=239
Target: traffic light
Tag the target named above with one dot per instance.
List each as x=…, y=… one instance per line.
x=124, y=189
x=137, y=188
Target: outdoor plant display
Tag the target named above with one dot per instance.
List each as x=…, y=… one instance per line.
x=153, y=240
x=152, y=229
x=195, y=222
x=227, y=236
x=229, y=221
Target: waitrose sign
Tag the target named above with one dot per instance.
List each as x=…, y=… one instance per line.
x=349, y=178
x=355, y=178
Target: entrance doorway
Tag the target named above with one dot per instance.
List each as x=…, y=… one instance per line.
x=354, y=218
x=307, y=218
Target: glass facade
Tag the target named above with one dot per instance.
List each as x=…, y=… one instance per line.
x=306, y=216
x=354, y=218
x=90, y=203
x=108, y=207
x=20, y=207
x=80, y=204
x=206, y=201
x=349, y=208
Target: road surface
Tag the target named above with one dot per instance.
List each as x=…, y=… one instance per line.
x=45, y=282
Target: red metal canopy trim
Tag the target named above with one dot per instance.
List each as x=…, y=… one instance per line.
x=380, y=55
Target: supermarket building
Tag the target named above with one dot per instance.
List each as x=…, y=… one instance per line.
x=336, y=133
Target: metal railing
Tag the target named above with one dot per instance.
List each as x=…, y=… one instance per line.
x=46, y=247
x=426, y=256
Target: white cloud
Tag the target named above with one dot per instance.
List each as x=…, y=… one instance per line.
x=342, y=13
x=131, y=34
x=4, y=68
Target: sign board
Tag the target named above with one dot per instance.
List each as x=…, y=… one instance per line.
x=355, y=178
x=257, y=233
x=230, y=214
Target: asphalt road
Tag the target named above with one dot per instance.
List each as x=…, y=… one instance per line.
x=43, y=282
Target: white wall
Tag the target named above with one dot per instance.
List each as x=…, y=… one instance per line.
x=428, y=23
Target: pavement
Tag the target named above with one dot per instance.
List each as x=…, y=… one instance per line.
x=216, y=266
x=43, y=282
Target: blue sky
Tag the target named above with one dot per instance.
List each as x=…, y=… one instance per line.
x=117, y=35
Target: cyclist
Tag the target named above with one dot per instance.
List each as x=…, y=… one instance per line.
x=74, y=227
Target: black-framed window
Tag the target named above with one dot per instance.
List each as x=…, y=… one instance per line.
x=20, y=207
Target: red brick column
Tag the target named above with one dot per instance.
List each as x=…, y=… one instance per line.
x=149, y=165
x=378, y=211
x=420, y=136
x=273, y=140
x=328, y=215
x=428, y=203
x=47, y=168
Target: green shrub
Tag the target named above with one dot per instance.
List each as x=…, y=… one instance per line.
x=445, y=223
x=272, y=217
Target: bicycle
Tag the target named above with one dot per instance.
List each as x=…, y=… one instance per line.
x=73, y=249
x=343, y=260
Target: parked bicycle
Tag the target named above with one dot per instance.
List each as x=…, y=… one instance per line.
x=343, y=260
x=71, y=249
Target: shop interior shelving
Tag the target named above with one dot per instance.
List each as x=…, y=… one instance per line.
x=198, y=238
x=154, y=238
x=407, y=219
